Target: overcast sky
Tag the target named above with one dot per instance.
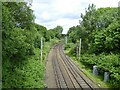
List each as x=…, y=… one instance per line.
x=65, y=13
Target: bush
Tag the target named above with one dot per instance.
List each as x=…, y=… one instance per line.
x=72, y=48
x=25, y=74
x=104, y=62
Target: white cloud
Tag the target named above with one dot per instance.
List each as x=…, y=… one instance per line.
x=105, y=3
x=45, y=15
x=66, y=13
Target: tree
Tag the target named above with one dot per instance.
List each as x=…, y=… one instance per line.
x=16, y=35
x=55, y=32
x=23, y=11
x=96, y=30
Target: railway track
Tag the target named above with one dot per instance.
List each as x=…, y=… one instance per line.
x=63, y=73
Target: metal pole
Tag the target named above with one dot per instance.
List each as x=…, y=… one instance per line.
x=80, y=49
x=41, y=49
x=0, y=45
x=77, y=50
x=50, y=38
x=66, y=39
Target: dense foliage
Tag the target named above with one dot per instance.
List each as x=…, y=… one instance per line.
x=99, y=30
x=100, y=33
x=17, y=40
x=55, y=32
x=21, y=46
x=106, y=63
